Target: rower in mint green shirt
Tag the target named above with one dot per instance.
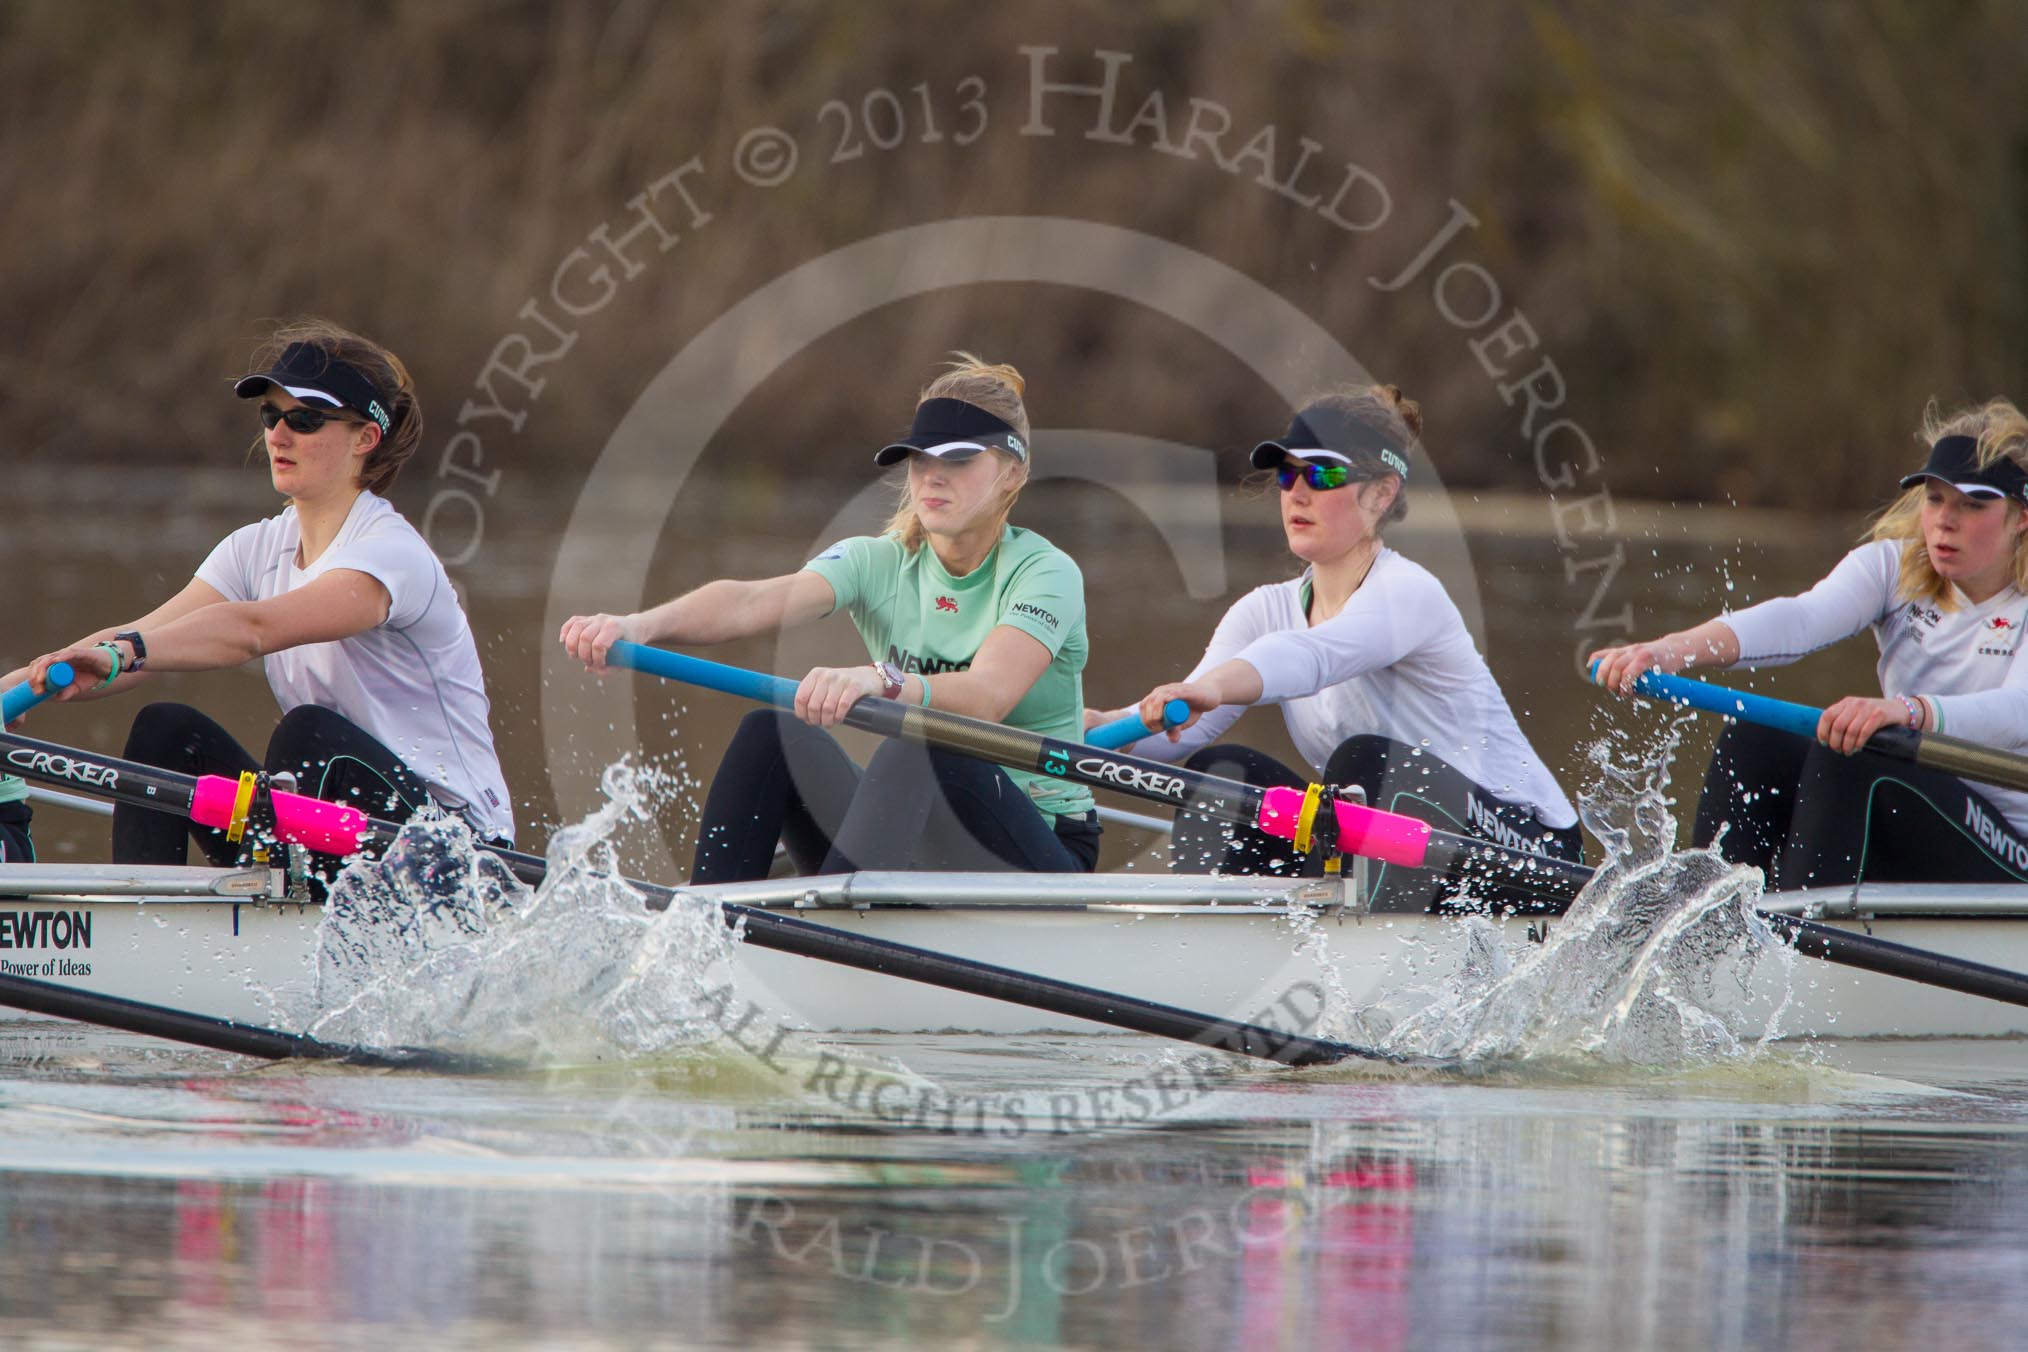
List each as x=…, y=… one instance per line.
x=959, y=611
x=913, y=613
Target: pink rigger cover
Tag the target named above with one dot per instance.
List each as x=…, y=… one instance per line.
x=325, y=827
x=1367, y=831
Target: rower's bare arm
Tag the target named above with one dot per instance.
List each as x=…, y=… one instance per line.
x=1234, y=681
x=716, y=612
x=341, y=603
x=1710, y=644
x=1005, y=669
x=195, y=596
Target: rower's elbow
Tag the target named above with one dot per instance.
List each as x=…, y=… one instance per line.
x=253, y=638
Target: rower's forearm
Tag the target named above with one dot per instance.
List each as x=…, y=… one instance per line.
x=224, y=635
x=1236, y=681
x=1711, y=644
x=717, y=612
x=970, y=693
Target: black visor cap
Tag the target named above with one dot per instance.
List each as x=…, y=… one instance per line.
x=952, y=429
x=1955, y=461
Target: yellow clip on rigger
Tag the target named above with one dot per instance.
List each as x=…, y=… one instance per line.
x=242, y=803
x=1307, y=818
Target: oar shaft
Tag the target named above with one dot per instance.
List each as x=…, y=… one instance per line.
x=1870, y=953
x=789, y=935
x=1952, y=755
x=106, y=776
x=225, y=1035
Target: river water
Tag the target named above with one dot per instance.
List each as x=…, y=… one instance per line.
x=1860, y=1195
x=1856, y=1194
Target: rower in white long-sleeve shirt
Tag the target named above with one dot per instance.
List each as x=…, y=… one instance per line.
x=1943, y=586
x=1378, y=679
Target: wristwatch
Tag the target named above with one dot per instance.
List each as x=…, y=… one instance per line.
x=133, y=636
x=893, y=676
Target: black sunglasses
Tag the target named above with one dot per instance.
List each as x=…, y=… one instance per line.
x=301, y=420
x=1322, y=478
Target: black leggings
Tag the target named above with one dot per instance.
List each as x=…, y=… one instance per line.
x=1396, y=777
x=16, y=846
x=1807, y=816
x=330, y=756
x=913, y=807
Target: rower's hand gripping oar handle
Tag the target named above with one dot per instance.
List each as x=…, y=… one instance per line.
x=22, y=698
x=1126, y=731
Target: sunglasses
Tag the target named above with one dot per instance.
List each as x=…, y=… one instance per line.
x=1322, y=478
x=301, y=420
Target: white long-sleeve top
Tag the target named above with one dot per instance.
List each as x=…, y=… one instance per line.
x=1962, y=659
x=1396, y=661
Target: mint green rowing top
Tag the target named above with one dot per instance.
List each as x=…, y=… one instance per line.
x=913, y=613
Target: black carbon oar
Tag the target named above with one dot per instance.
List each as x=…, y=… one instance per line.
x=225, y=1035
x=1869, y=953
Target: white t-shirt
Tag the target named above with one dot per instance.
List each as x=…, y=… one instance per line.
x=1961, y=659
x=1397, y=661
x=412, y=681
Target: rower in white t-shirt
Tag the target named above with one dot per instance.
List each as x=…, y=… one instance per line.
x=1944, y=588
x=365, y=644
x=1378, y=679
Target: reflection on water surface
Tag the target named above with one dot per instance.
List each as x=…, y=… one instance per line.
x=1849, y=1197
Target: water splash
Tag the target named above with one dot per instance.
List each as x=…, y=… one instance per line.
x=436, y=943
x=1661, y=960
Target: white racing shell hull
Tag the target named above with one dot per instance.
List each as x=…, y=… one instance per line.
x=1232, y=947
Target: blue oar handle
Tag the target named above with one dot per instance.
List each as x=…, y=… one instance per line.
x=1126, y=731
x=1799, y=719
x=22, y=698
x=753, y=685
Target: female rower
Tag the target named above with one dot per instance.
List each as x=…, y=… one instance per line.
x=1379, y=682
x=1943, y=585
x=959, y=611
x=365, y=644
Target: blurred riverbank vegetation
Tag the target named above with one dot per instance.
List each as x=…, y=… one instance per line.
x=1753, y=238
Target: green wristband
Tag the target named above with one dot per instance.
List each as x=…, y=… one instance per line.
x=925, y=690
x=114, y=675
